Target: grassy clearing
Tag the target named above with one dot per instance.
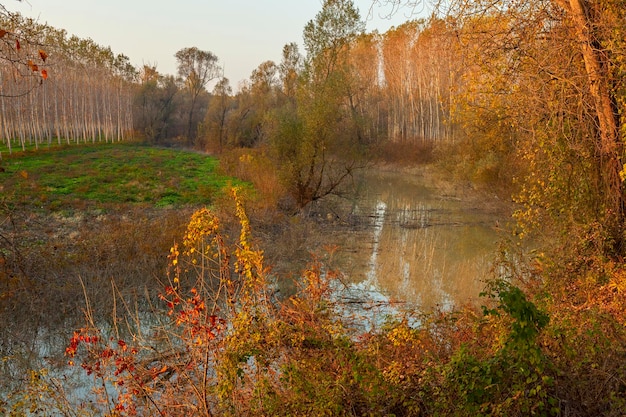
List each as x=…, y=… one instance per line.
x=68, y=177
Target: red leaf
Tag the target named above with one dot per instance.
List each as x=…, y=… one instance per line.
x=3, y=33
x=44, y=74
x=43, y=55
x=17, y=44
x=33, y=67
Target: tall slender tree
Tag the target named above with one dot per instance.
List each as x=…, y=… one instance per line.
x=289, y=69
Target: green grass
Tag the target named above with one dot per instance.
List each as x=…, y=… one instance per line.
x=69, y=176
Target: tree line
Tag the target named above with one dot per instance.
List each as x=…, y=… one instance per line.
x=529, y=92
x=85, y=95
x=396, y=86
x=347, y=92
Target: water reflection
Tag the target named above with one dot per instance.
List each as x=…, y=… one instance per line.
x=422, y=247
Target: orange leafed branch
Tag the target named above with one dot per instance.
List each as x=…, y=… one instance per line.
x=43, y=55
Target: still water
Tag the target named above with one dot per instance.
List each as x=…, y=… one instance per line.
x=421, y=245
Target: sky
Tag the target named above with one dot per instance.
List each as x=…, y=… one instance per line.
x=241, y=33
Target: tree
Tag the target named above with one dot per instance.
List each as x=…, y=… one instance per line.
x=253, y=103
x=289, y=68
x=597, y=27
x=364, y=90
x=155, y=102
x=315, y=140
x=263, y=95
x=329, y=35
x=197, y=68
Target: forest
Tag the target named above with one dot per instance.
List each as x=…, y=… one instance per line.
x=167, y=240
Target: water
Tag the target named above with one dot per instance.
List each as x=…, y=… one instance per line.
x=420, y=245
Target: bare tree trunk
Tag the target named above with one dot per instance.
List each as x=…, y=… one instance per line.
x=610, y=147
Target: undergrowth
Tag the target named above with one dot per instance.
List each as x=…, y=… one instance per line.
x=223, y=345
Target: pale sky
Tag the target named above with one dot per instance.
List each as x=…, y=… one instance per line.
x=242, y=33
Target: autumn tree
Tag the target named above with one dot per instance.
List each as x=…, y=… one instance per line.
x=197, y=68
x=327, y=38
x=595, y=28
x=289, y=69
x=362, y=88
x=315, y=141
x=251, y=106
x=21, y=50
x=576, y=147
x=256, y=99
x=264, y=80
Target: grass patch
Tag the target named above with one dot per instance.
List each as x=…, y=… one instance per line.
x=111, y=173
